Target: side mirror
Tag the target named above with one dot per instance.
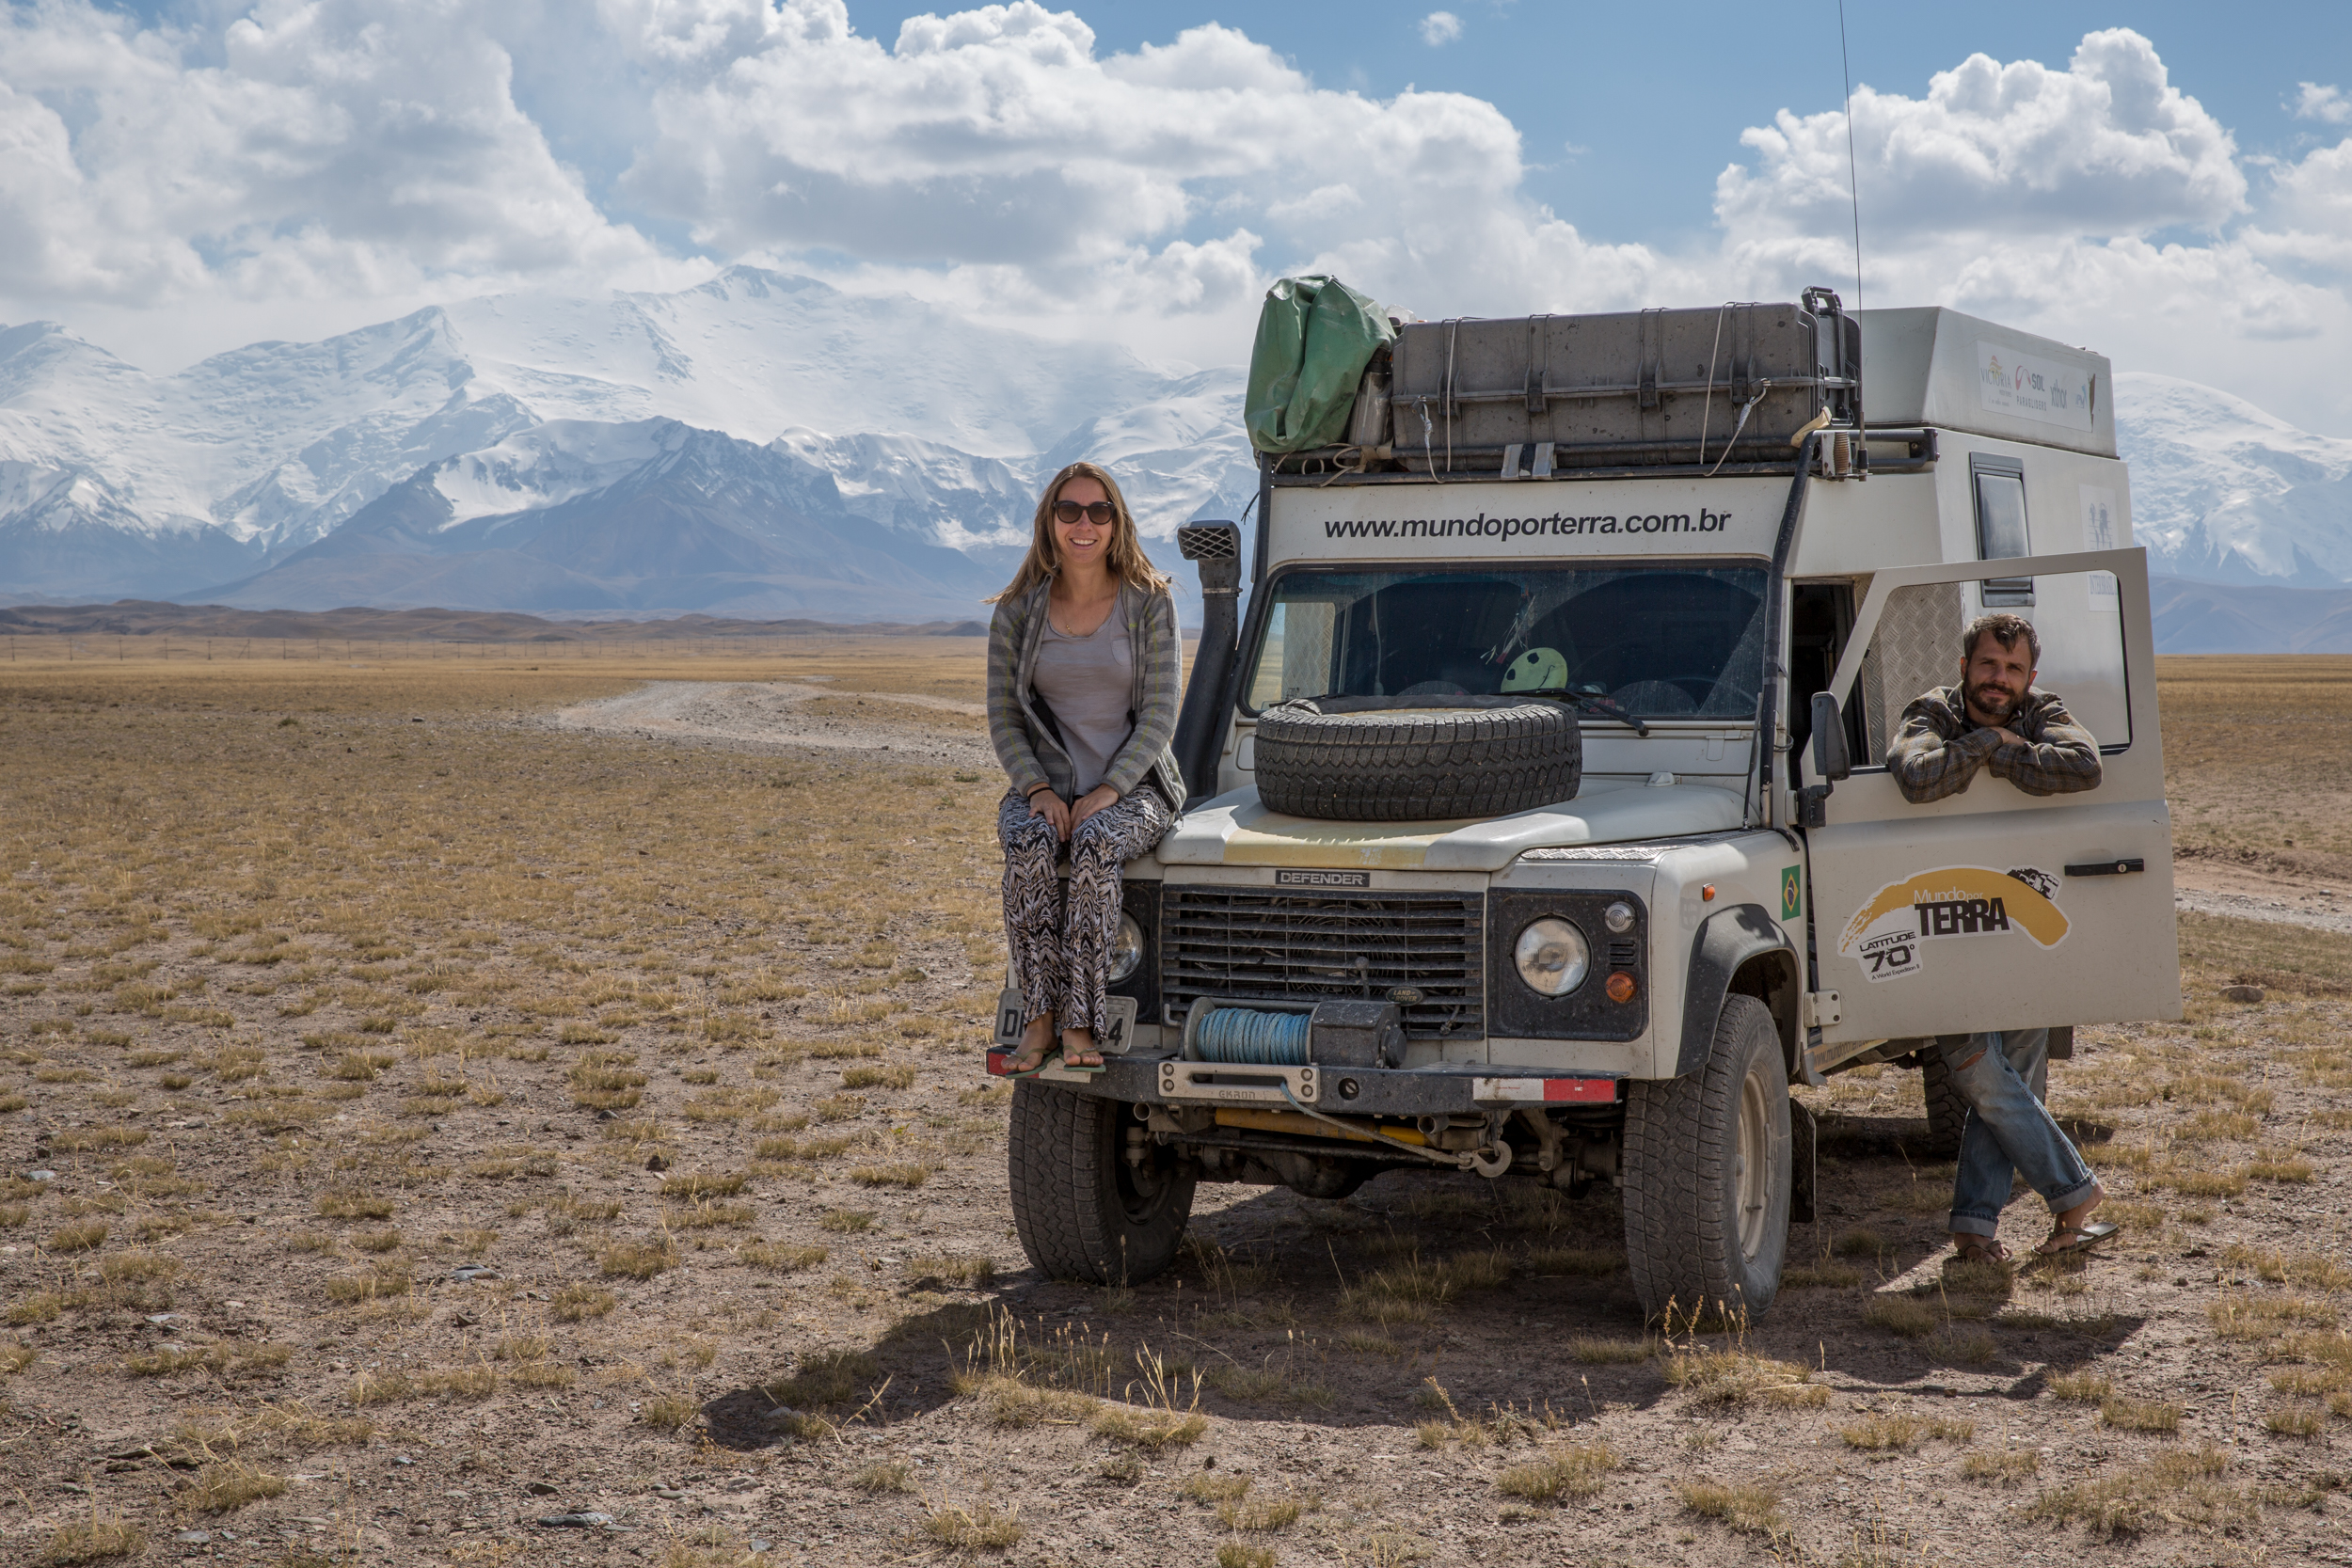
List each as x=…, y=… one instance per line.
x=1829, y=739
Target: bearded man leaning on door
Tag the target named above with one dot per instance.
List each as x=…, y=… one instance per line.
x=1995, y=721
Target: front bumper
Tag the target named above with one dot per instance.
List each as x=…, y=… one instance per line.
x=1455, y=1088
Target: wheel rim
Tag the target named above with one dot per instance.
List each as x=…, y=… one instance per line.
x=1751, y=1174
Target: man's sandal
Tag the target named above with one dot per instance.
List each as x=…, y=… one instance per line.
x=2066, y=1240
x=1985, y=1250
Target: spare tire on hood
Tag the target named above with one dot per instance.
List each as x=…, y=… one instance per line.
x=1417, y=759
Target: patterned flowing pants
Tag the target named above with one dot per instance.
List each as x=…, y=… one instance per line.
x=1061, y=954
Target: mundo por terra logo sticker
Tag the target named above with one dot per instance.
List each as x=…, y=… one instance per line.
x=1890, y=935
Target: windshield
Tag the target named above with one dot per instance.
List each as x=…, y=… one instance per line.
x=1662, y=641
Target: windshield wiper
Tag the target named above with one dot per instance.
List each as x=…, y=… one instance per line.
x=1607, y=708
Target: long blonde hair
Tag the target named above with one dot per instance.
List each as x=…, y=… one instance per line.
x=1127, y=562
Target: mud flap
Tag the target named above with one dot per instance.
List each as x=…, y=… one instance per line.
x=1802, y=1129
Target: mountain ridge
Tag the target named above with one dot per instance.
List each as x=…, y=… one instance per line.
x=933, y=429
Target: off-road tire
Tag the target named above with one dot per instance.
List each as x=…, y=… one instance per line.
x=1946, y=1111
x=1076, y=1204
x=1416, y=759
x=1684, y=1179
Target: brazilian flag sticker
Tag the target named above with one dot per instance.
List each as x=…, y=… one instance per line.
x=1792, y=892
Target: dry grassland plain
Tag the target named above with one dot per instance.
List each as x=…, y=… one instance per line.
x=473, y=1141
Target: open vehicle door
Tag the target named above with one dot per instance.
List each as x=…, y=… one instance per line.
x=1994, y=909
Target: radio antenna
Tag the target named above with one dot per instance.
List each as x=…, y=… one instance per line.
x=1853, y=179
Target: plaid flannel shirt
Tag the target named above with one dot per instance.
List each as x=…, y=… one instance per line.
x=1939, y=749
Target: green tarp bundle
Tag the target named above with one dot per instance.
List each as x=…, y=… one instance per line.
x=1315, y=335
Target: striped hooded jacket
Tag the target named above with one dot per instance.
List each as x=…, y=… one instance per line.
x=1020, y=728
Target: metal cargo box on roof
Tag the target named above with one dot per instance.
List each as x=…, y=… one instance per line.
x=1930, y=366
x=1627, y=390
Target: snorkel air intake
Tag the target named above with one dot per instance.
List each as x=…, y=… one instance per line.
x=1215, y=547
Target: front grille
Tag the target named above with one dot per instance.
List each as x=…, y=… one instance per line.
x=1248, y=944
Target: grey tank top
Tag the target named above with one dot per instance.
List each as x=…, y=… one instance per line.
x=1087, y=681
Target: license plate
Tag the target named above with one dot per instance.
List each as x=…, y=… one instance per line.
x=1117, y=1033
x=1118, y=1028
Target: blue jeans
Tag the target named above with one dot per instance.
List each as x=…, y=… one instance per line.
x=2001, y=1075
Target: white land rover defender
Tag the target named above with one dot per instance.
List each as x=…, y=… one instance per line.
x=1540, y=830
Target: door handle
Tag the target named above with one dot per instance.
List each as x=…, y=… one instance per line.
x=2107, y=868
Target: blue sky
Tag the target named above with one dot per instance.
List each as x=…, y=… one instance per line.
x=2170, y=183
x=1653, y=98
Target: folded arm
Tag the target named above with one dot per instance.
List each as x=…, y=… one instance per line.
x=2059, y=756
x=1932, y=758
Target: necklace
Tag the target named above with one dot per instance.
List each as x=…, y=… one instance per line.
x=1080, y=635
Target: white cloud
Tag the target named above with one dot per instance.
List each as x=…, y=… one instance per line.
x=1441, y=27
x=330, y=149
x=2105, y=147
x=2326, y=104
x=314, y=165
x=998, y=155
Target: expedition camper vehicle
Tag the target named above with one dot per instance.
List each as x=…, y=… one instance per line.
x=1539, y=827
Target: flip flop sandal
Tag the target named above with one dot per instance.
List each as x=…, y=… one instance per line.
x=1089, y=1069
x=2086, y=1237
x=1043, y=1063
x=1985, y=1251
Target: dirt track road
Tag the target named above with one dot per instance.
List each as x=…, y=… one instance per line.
x=778, y=714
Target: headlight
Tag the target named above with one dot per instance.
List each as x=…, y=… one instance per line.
x=1126, y=950
x=1552, y=957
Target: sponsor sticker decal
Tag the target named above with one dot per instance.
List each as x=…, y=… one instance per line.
x=1890, y=933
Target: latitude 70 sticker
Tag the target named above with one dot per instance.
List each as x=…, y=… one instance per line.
x=1889, y=933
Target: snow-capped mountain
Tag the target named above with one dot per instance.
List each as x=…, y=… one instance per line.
x=114, y=481
x=494, y=429
x=2223, y=492
x=581, y=517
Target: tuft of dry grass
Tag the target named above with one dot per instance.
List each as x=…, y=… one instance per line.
x=2250, y=1315
x=2140, y=1416
x=1751, y=1509
x=953, y=1269
x=2178, y=1489
x=224, y=1487
x=780, y=1258
x=2297, y=1421
x=878, y=1479
x=971, y=1526
x=88, y=1236
x=1561, y=1475
x=577, y=1303
x=348, y=1204
x=636, y=1259
x=1260, y=1515
x=2008, y=1466
x=1907, y=1316
x=902, y=1173
x=1735, y=1377
x=99, y=1538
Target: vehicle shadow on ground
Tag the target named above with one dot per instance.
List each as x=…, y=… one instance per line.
x=1288, y=1310
x=1432, y=1297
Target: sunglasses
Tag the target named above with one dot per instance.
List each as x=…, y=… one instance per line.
x=1098, y=513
